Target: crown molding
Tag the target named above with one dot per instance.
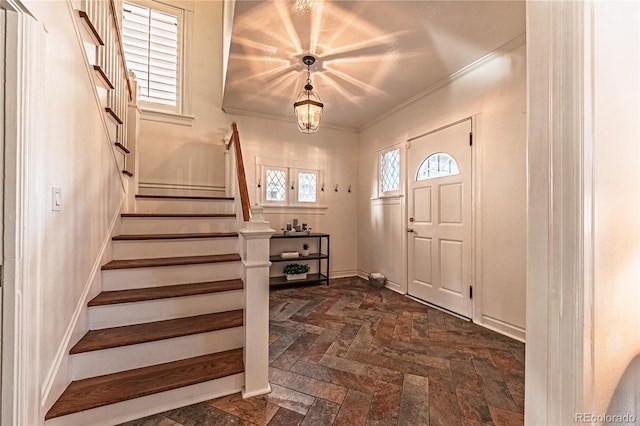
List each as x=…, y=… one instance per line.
x=448, y=80
x=245, y=113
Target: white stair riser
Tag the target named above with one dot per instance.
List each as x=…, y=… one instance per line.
x=177, y=225
x=124, y=279
x=160, y=205
x=107, y=361
x=147, y=249
x=152, y=404
x=163, y=309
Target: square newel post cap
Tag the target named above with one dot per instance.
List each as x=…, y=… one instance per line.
x=257, y=221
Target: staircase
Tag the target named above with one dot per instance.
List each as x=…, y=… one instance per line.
x=167, y=329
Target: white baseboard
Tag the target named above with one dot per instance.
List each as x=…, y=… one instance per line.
x=394, y=286
x=363, y=274
x=58, y=377
x=509, y=330
x=343, y=274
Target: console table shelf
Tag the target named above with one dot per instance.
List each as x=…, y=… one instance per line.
x=320, y=258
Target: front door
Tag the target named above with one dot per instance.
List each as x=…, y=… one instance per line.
x=439, y=222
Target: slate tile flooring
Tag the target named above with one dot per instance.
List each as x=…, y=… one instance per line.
x=349, y=354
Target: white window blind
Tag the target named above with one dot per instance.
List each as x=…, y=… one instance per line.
x=150, y=43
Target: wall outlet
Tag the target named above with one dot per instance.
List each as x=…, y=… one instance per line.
x=56, y=199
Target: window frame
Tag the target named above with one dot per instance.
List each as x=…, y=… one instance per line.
x=291, y=196
x=181, y=112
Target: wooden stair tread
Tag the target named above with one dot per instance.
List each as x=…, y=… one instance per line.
x=160, y=215
x=174, y=236
x=99, y=391
x=154, y=293
x=184, y=197
x=170, y=261
x=126, y=335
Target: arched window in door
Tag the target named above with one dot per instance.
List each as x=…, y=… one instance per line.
x=437, y=165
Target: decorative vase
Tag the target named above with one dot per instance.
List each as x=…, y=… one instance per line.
x=294, y=277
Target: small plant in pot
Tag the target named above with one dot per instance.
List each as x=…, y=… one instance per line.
x=296, y=271
x=305, y=249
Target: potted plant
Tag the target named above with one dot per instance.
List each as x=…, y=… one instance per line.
x=296, y=271
x=305, y=249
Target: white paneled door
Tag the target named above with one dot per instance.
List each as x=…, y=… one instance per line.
x=439, y=218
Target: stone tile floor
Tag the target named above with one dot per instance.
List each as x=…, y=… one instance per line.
x=349, y=354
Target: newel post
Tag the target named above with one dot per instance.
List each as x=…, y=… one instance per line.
x=255, y=260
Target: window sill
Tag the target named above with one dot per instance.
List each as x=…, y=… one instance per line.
x=316, y=209
x=387, y=197
x=166, y=117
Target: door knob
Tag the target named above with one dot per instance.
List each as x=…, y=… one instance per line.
x=409, y=229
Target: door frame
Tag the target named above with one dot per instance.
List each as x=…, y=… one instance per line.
x=22, y=62
x=560, y=290
x=476, y=191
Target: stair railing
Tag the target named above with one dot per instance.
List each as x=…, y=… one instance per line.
x=104, y=18
x=255, y=234
x=242, y=190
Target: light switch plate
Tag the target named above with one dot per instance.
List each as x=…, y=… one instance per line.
x=56, y=198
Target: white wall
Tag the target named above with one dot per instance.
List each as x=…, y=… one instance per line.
x=334, y=151
x=494, y=94
x=191, y=156
x=70, y=150
x=616, y=332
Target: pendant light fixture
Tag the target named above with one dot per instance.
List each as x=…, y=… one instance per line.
x=308, y=107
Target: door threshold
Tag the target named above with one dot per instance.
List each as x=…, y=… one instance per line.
x=440, y=308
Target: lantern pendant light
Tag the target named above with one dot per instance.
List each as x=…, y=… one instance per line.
x=308, y=107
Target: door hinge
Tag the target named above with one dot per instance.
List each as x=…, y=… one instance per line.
x=470, y=292
x=470, y=139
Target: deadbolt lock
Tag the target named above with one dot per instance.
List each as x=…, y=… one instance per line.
x=410, y=219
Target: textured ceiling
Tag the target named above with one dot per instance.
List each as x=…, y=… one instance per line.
x=371, y=55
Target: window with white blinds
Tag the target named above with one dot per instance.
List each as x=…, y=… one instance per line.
x=150, y=40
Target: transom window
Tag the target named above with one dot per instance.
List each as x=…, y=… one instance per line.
x=437, y=165
x=390, y=171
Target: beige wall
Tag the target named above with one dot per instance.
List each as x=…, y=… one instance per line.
x=70, y=150
x=494, y=94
